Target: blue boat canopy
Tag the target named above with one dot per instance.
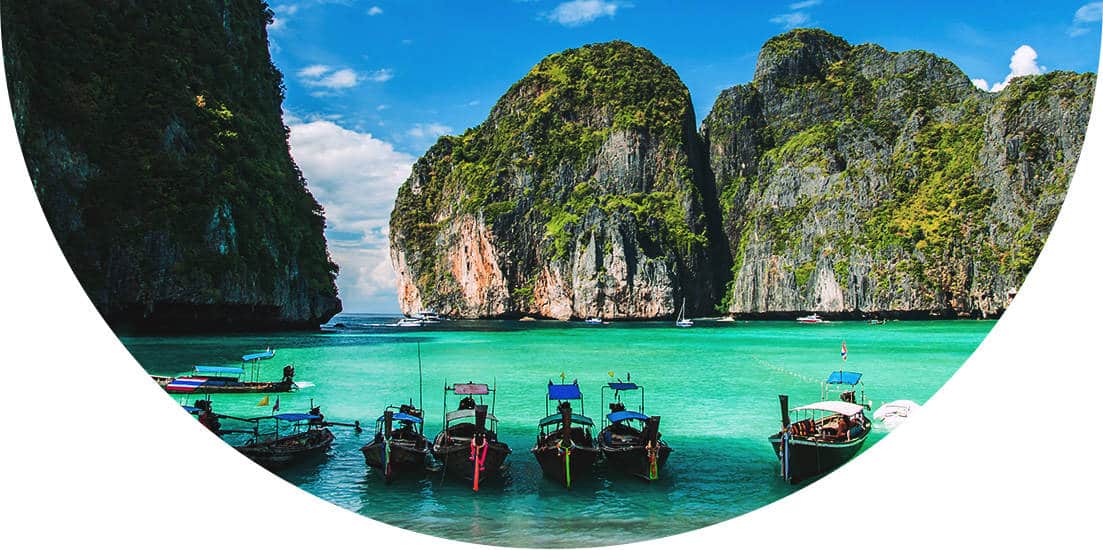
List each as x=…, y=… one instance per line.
x=620, y=386
x=844, y=377
x=295, y=417
x=575, y=419
x=219, y=370
x=190, y=409
x=620, y=416
x=403, y=417
x=564, y=392
x=267, y=354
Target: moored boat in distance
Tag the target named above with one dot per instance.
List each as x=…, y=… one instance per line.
x=813, y=319
x=398, y=449
x=565, y=443
x=630, y=440
x=596, y=321
x=682, y=322
x=468, y=446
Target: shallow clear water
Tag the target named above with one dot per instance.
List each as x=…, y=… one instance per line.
x=715, y=386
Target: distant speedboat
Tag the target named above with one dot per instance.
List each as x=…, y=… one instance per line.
x=682, y=322
x=409, y=322
x=894, y=413
x=812, y=319
x=596, y=321
x=428, y=316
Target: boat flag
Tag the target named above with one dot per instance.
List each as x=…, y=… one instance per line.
x=610, y=374
x=263, y=402
x=844, y=350
x=276, y=407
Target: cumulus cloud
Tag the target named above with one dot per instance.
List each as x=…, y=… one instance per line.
x=1086, y=19
x=375, y=10
x=1023, y=62
x=805, y=4
x=355, y=176
x=580, y=12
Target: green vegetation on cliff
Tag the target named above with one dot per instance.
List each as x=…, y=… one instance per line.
x=538, y=170
x=154, y=136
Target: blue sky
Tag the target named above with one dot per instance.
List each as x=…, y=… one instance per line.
x=372, y=84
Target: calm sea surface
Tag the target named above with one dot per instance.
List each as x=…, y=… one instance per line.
x=715, y=386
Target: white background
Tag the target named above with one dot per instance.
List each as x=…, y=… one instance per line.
x=1005, y=455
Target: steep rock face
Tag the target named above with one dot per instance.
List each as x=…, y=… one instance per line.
x=153, y=135
x=585, y=192
x=852, y=179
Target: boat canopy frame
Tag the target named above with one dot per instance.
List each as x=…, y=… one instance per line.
x=616, y=388
x=470, y=389
x=839, y=382
x=253, y=361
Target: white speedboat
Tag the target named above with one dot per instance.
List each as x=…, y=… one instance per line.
x=595, y=321
x=408, y=322
x=893, y=413
x=812, y=319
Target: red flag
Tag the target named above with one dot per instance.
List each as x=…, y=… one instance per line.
x=276, y=407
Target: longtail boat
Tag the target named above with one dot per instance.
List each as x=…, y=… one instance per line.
x=276, y=441
x=397, y=449
x=206, y=379
x=565, y=444
x=468, y=446
x=829, y=432
x=630, y=440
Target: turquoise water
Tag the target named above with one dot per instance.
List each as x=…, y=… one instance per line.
x=714, y=385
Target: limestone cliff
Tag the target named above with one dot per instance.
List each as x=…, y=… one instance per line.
x=153, y=135
x=856, y=180
x=585, y=192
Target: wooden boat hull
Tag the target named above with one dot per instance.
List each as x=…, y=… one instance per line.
x=455, y=457
x=553, y=462
x=405, y=456
x=289, y=450
x=635, y=460
x=230, y=387
x=809, y=459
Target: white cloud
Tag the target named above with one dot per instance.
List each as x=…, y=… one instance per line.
x=355, y=176
x=382, y=75
x=790, y=20
x=313, y=71
x=1023, y=62
x=331, y=79
x=796, y=16
x=1086, y=19
x=795, y=6
x=981, y=83
x=580, y=12
x=431, y=130
x=375, y=10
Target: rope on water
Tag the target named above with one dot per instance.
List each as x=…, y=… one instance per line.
x=783, y=370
